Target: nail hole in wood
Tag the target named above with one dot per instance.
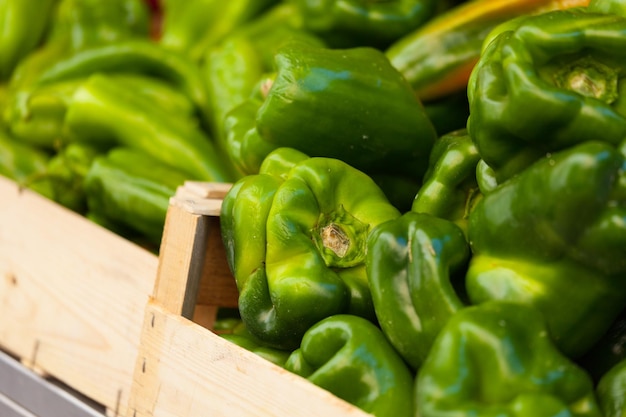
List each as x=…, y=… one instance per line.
x=11, y=278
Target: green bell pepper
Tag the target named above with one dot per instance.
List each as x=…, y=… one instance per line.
x=548, y=83
x=438, y=57
x=35, y=115
x=66, y=172
x=611, y=391
x=355, y=107
x=132, y=189
x=135, y=56
x=295, y=242
x=553, y=236
x=497, y=359
x=608, y=6
x=24, y=164
x=22, y=30
x=103, y=111
x=191, y=27
x=242, y=141
x=410, y=262
x=82, y=24
x=233, y=71
x=608, y=351
x=240, y=336
x=399, y=189
x=277, y=26
x=448, y=113
x=279, y=162
x=450, y=188
x=485, y=177
x=86, y=23
x=350, y=357
x=351, y=23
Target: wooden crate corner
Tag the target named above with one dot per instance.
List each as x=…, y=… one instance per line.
x=72, y=296
x=183, y=369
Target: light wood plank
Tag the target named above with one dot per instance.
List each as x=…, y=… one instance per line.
x=181, y=259
x=217, y=284
x=184, y=370
x=192, y=255
x=72, y=295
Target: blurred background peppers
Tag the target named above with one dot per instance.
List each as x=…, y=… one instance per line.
x=437, y=57
x=22, y=30
x=349, y=23
x=75, y=25
x=421, y=185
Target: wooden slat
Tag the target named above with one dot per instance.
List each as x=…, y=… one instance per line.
x=184, y=370
x=72, y=295
x=217, y=284
x=181, y=259
x=192, y=255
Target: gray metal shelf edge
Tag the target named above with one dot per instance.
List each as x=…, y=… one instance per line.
x=23, y=393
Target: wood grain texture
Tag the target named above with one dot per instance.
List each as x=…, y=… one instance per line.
x=192, y=255
x=72, y=296
x=184, y=370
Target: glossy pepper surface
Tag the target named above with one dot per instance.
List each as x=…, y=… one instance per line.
x=192, y=27
x=554, y=236
x=612, y=391
x=102, y=111
x=348, y=23
x=350, y=357
x=547, y=84
x=235, y=331
x=66, y=172
x=23, y=163
x=295, y=241
x=236, y=70
x=135, y=56
x=438, y=57
x=410, y=263
x=450, y=188
x=22, y=30
x=85, y=23
x=497, y=359
x=356, y=107
x=241, y=138
x=35, y=115
x=608, y=351
x=131, y=189
x=81, y=24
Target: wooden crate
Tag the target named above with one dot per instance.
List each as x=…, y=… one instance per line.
x=72, y=296
x=185, y=370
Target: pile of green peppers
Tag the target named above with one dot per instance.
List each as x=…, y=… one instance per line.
x=428, y=206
